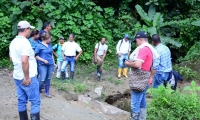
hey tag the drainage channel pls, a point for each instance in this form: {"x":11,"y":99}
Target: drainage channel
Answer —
{"x":121,"y":101}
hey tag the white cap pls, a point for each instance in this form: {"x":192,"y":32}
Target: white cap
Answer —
{"x":24,"y":24}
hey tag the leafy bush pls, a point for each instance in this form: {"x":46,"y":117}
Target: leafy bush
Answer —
{"x":186,"y":72}
{"x":174,"y":105}
{"x":193,"y":53}
{"x":87,"y":20}
{"x":6,"y":63}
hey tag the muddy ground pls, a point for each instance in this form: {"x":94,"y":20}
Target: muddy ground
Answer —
{"x":62,"y":105}
{"x":55,"y":108}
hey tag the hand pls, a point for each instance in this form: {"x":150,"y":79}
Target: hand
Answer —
{"x":75,"y":58}
{"x":64,"y":58}
{"x":119,"y":54}
{"x":150,"y":80}
{"x":45,"y":62}
{"x":26,"y":81}
{"x":127,"y":62}
{"x":55,"y":65}
{"x":95,"y":60}
{"x":56,"y":55}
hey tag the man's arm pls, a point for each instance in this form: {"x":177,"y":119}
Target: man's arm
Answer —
{"x":95,"y":54}
{"x":135,"y":64}
{"x":117,"y":48}
{"x":76,"y":58}
{"x":104,"y":55}
{"x":55,"y":54}
{"x":10,"y":59}
{"x":25,"y":68}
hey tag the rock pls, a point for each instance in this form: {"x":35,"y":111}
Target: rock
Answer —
{"x":98,"y":90}
{"x":94,"y":96}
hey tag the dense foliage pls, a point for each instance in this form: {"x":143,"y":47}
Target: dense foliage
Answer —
{"x":91,"y":20}
{"x":177,"y":105}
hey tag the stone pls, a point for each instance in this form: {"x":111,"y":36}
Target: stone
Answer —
{"x":98,"y":90}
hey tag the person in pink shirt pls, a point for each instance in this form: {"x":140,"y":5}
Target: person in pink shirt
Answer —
{"x":141,"y":58}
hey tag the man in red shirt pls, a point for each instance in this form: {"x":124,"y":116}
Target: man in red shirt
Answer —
{"x":142,"y":59}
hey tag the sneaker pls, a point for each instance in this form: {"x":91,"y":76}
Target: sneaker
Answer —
{"x":49,"y":96}
{"x":98,"y":74}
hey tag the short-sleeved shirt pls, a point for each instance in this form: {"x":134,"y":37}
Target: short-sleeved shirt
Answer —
{"x":146,"y":56}
{"x":44,"y":52}
{"x":101,"y":49}
{"x":123,"y":46}
{"x":163,"y":63}
{"x":59,"y":51}
{"x":33,"y":43}
{"x":20,"y":46}
{"x":70,"y":48}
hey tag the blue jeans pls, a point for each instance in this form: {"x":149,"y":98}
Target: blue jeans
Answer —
{"x":121,"y":61}
{"x":160,"y":78}
{"x":65,"y":63}
{"x":45,"y":72}
{"x":31,"y":93}
{"x":138,"y":100}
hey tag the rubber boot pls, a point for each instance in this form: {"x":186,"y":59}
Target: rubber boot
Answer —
{"x":135,"y":116}
{"x":143,"y":114}
{"x":47,"y":94}
{"x":125,"y":72}
{"x":72,"y":77}
{"x":35,"y":116}
{"x":63,"y":76}
{"x":119,"y":72}
{"x":41,"y":85}
{"x":23,"y":115}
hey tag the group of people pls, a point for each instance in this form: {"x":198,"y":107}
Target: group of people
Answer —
{"x":33,"y":60}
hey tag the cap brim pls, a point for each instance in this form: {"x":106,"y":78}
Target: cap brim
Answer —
{"x":32,"y":27}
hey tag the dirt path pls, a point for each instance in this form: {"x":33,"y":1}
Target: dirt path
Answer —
{"x":55,"y":108}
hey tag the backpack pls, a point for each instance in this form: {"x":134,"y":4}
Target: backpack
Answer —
{"x":56,"y":48}
{"x":122,"y":42}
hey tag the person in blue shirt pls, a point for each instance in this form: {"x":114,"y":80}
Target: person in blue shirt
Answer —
{"x":45,"y":29}
{"x":162,"y":66}
{"x":44,"y":55}
{"x":58,"y":53}
{"x":34,"y":38}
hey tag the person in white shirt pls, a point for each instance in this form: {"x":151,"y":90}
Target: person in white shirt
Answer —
{"x":25,"y":72}
{"x":123,"y":50}
{"x":99,"y":56}
{"x":69,"y":50}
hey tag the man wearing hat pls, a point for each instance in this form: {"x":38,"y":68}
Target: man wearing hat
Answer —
{"x":140,"y":62}
{"x":163,"y":65}
{"x":58,"y":53}
{"x":123,"y":50}
{"x":25,"y":72}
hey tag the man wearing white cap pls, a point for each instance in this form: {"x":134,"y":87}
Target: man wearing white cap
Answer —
{"x":25,"y":72}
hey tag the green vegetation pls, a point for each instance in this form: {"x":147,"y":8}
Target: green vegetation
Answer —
{"x":177,"y":105}
{"x":186,"y":72}
{"x":90,"y":20}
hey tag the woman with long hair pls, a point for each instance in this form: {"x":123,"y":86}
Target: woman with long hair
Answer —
{"x":44,"y":55}
{"x":34,"y":38}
